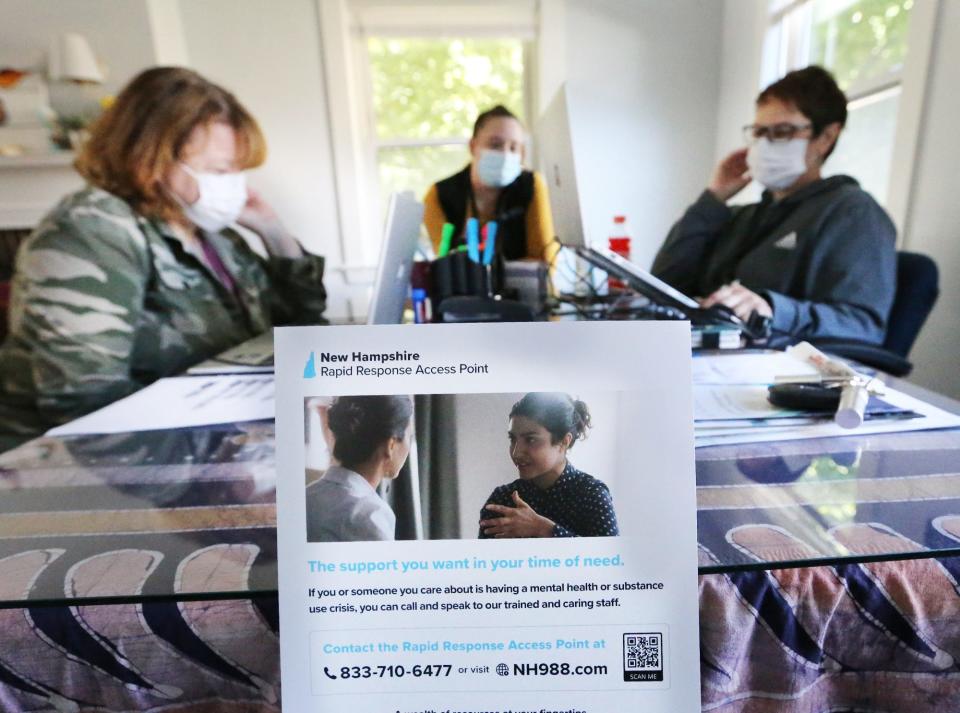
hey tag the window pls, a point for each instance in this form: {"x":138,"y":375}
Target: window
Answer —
{"x":426,"y":94}
{"x":405,"y":80}
{"x":865,"y":44}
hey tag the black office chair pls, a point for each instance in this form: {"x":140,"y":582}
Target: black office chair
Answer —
{"x":917,"y":291}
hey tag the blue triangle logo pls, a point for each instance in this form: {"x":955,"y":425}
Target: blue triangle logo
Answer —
{"x":310,"y":370}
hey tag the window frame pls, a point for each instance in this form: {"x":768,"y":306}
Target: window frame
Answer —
{"x":787,"y":46}
{"x":344,"y":28}
{"x":377,"y":144}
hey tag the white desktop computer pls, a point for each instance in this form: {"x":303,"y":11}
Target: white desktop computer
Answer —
{"x":401,"y":234}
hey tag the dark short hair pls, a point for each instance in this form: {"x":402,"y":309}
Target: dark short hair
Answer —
{"x":499,"y":111}
{"x":360,"y":424}
{"x":558,"y":413}
{"x":814,"y":93}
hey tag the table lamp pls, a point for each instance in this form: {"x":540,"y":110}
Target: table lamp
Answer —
{"x":72,"y":60}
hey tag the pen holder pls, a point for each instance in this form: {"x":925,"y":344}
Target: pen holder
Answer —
{"x":456,"y":275}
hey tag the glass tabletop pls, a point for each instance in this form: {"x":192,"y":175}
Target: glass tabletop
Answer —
{"x":184,"y":514}
{"x":190,"y":514}
{"x":827,"y":501}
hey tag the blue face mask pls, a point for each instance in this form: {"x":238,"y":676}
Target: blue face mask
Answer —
{"x":498,"y":168}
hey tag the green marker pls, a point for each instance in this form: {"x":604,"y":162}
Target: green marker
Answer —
{"x":445,"y":237}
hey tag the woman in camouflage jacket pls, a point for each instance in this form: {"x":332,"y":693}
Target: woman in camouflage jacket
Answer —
{"x":137,"y":276}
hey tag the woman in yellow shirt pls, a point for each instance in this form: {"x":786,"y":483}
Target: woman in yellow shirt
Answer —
{"x":494,"y":186}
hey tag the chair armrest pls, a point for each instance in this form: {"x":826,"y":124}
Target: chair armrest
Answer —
{"x":872,"y":355}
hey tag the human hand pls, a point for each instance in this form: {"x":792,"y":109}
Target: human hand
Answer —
{"x":742,"y":301}
{"x":261,"y":218}
{"x":257,"y":214}
{"x":519,"y":521}
{"x":729,"y":176}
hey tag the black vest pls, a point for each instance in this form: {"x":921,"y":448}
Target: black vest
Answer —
{"x":455,"y":193}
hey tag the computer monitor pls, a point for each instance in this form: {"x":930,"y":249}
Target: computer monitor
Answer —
{"x":401,"y":233}
{"x":558,"y":164}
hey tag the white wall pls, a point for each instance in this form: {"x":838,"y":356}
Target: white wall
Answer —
{"x":119,"y":34}
{"x":740,"y":66}
{"x":933,"y":226}
{"x":659,"y":63}
{"x":118,"y":31}
{"x":271,"y":60}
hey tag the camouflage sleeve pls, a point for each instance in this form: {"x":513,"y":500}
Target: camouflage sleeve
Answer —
{"x":297,"y":292}
{"x":80,"y":283}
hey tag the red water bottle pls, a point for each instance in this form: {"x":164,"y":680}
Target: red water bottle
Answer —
{"x":620,"y":244}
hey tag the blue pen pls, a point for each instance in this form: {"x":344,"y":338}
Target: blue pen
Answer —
{"x":491,"y":241}
{"x":473,"y":240}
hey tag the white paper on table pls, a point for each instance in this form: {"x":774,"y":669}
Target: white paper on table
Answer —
{"x":722,"y":403}
{"x":729,"y":369}
{"x":930,"y":418}
{"x":182,"y":402}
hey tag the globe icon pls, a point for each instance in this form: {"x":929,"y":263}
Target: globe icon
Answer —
{"x":503,"y":669}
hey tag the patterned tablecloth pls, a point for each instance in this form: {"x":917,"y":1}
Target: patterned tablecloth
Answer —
{"x":134,"y":525}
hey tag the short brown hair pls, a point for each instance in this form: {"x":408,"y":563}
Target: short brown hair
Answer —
{"x":814,"y":93}
{"x":136,"y":141}
{"x":498,"y":111}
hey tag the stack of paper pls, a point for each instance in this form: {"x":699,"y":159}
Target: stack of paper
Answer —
{"x":182,"y":402}
{"x":731,"y":406}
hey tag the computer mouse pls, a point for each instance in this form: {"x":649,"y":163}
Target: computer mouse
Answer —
{"x":723,"y":313}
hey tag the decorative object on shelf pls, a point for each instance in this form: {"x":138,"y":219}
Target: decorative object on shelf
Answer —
{"x":11,"y":150}
{"x":70,"y":131}
{"x":24,"y":96}
{"x":71,"y":61}
{"x":33,"y":124}
{"x":10,"y":77}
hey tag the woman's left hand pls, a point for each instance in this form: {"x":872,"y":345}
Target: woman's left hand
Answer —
{"x":519,"y":521}
{"x":257,"y":213}
{"x":261,"y":218}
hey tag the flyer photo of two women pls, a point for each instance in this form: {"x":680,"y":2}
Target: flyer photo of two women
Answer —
{"x":464,"y":466}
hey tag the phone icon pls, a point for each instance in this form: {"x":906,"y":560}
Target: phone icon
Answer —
{"x":328,"y":674}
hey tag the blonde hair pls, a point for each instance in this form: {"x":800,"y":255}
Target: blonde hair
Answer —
{"x":140,"y":137}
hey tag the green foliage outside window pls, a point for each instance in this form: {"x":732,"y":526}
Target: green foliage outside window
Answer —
{"x":427,"y":89}
{"x":860,"y":41}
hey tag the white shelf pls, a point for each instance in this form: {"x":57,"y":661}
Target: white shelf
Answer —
{"x":53,"y":159}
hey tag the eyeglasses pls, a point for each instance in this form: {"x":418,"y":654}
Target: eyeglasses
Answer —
{"x":775,"y":133}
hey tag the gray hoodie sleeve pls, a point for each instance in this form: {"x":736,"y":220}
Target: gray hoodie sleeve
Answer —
{"x":680,"y":260}
{"x":852,"y":279}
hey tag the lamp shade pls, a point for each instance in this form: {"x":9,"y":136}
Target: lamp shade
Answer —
{"x":72,"y":59}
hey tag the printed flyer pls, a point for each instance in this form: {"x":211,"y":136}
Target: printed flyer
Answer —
{"x":487,"y":518}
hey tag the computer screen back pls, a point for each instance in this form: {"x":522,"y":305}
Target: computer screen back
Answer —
{"x":554,"y":143}
{"x":400,"y":237}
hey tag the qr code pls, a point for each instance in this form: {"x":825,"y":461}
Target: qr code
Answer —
{"x":643,"y":657}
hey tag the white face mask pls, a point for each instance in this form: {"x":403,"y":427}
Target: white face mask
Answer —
{"x":777,"y":165}
{"x":498,"y":168}
{"x":221,"y":200}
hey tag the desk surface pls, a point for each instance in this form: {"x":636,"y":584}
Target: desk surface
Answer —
{"x":189,"y":514}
